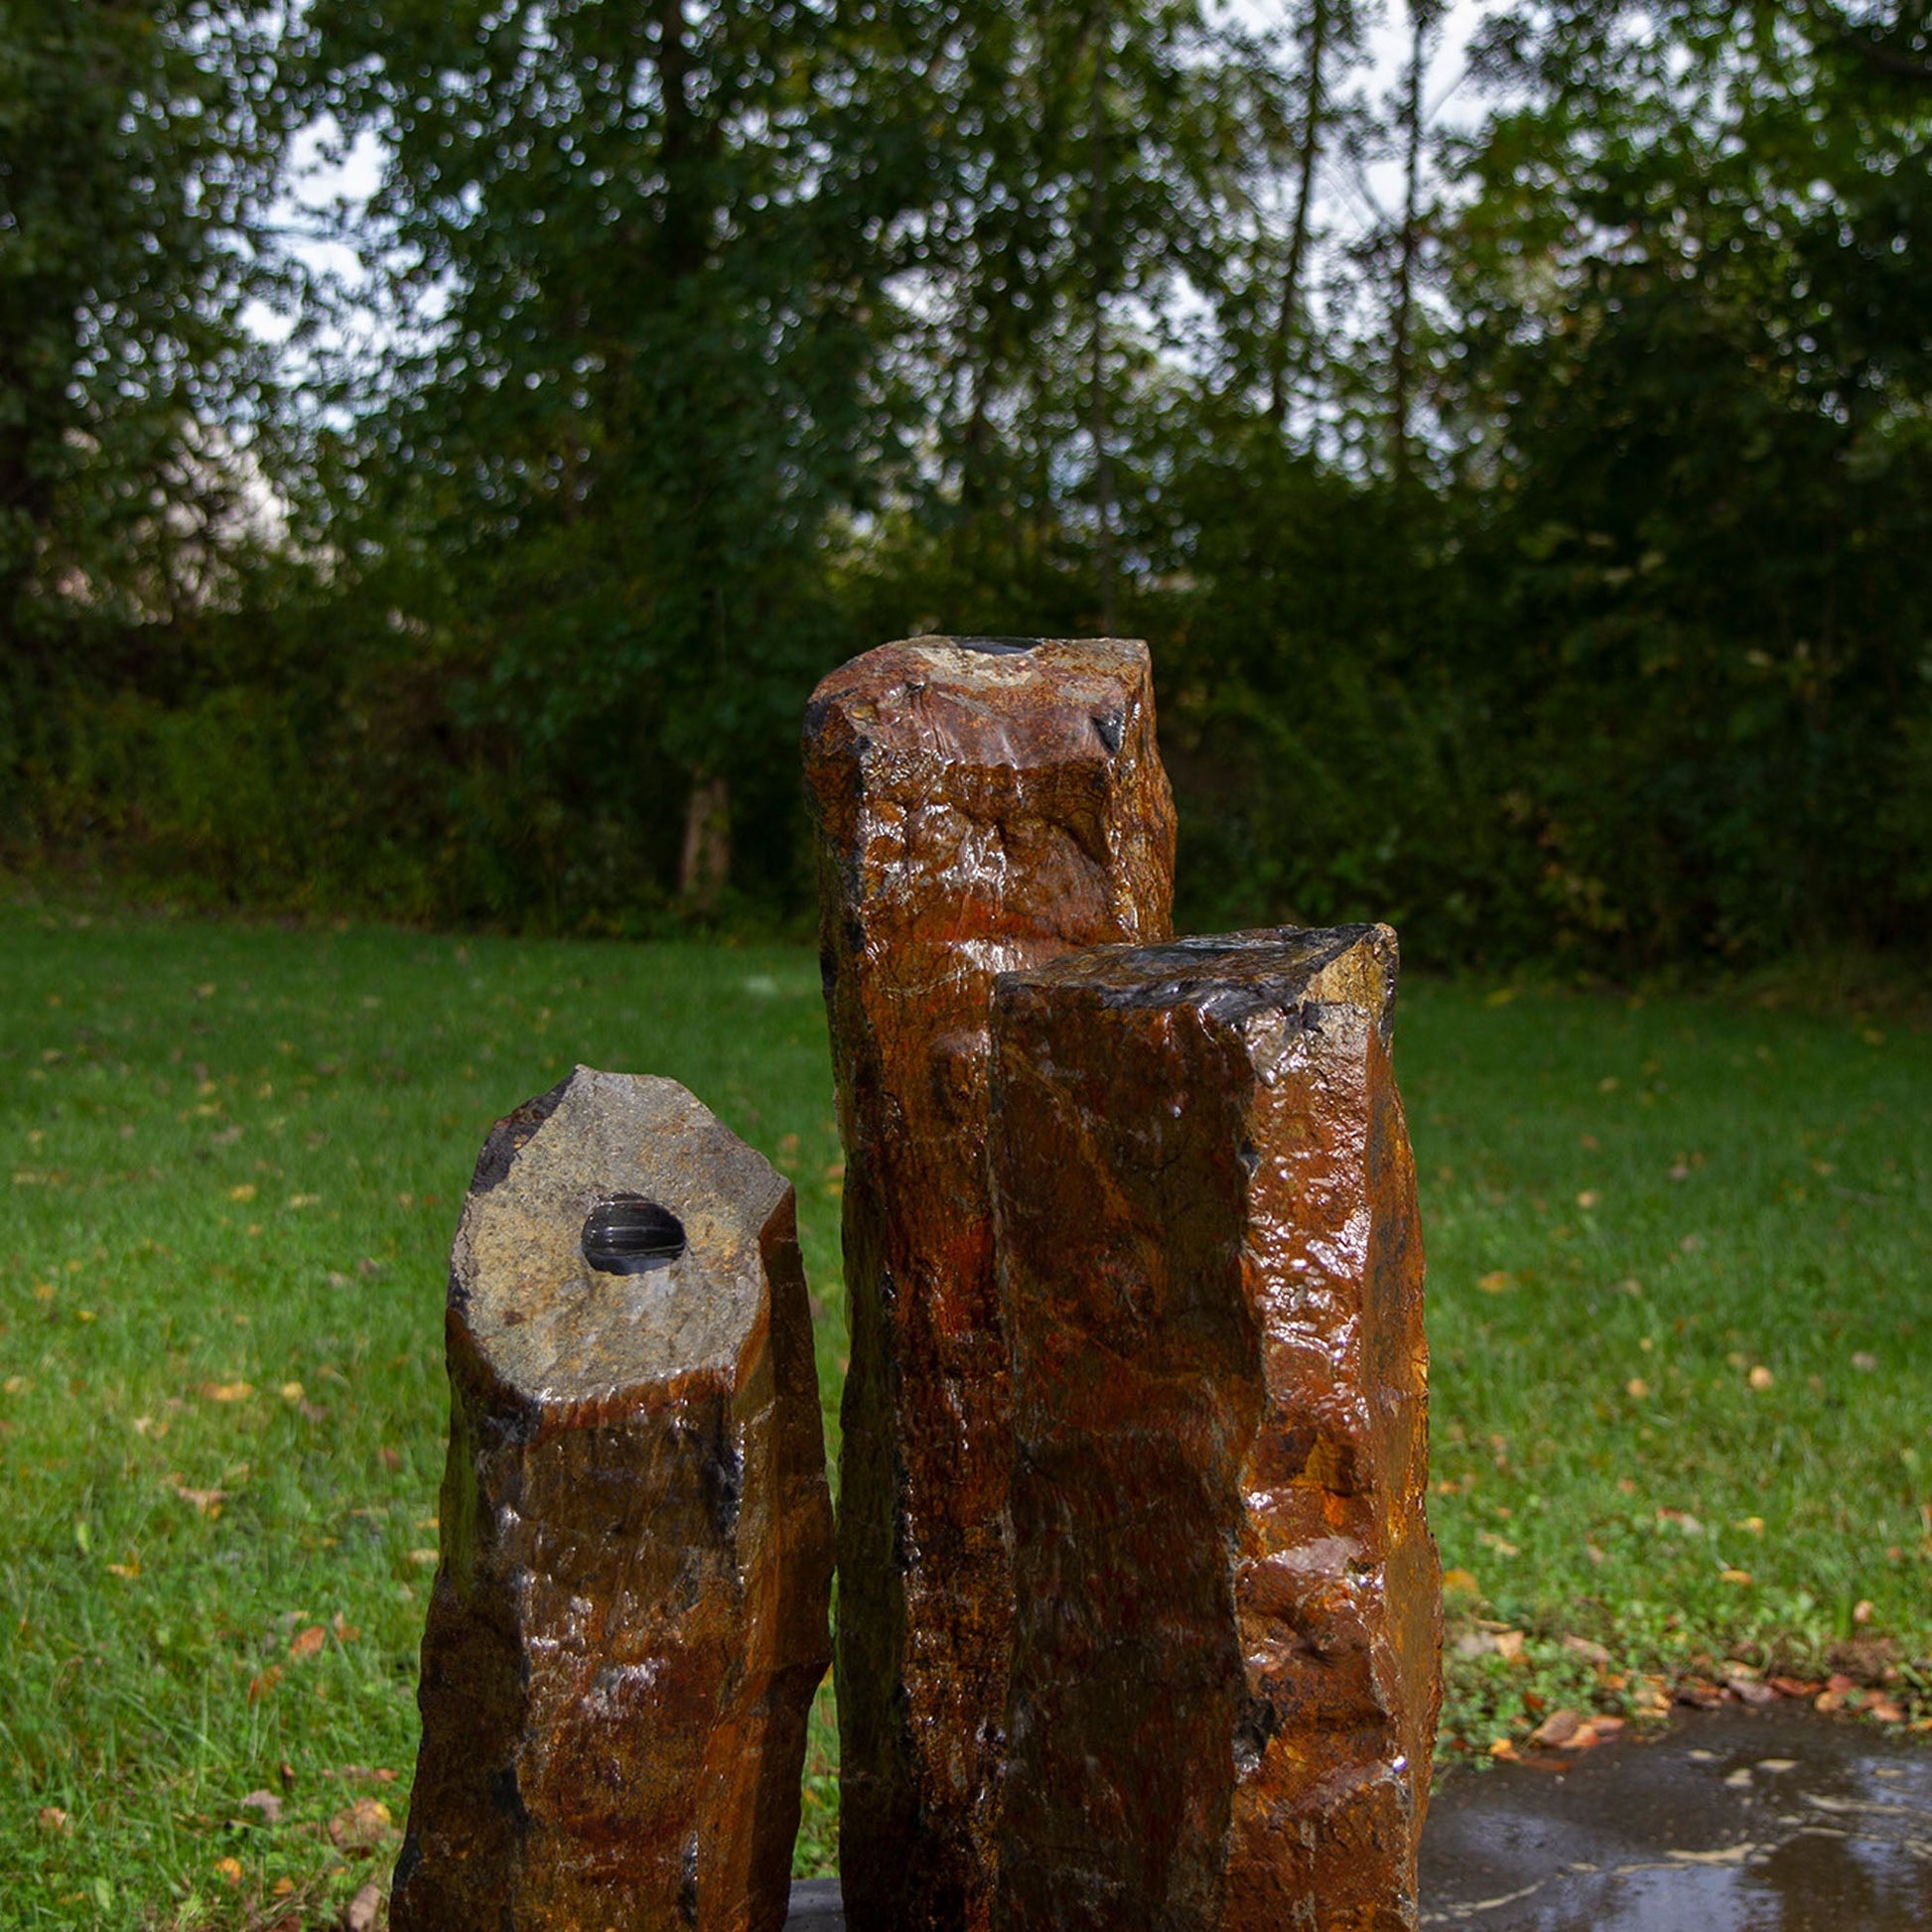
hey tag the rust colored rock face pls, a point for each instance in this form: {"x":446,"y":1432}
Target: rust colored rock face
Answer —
{"x":1224,"y":1679}
{"x":630,"y":1614}
{"x":982,"y":805}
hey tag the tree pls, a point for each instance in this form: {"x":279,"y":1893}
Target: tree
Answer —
{"x":1698,"y":369}
{"x":140,"y":151}
{"x":1088,"y":160}
{"x":654,"y":245}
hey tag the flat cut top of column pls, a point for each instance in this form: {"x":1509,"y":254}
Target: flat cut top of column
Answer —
{"x":569,"y":1287}
{"x":1230,"y":977}
{"x":962,"y":697}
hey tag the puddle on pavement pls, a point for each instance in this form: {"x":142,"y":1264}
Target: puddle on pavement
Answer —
{"x":1736,"y":1820}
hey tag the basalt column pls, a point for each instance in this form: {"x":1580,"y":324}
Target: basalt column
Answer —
{"x":982,"y":804}
{"x":1224,"y":1679}
{"x":630,"y":1614}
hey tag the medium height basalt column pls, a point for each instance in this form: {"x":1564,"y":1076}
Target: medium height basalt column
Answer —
{"x":1224,"y":1679}
{"x":630,"y":1614}
{"x":982,"y":804}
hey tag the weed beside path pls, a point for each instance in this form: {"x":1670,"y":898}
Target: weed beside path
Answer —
{"x":1681,"y":1387}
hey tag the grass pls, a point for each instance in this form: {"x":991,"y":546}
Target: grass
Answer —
{"x":230,"y":1159}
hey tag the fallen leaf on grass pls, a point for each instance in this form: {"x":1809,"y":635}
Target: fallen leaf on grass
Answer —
{"x":51,"y":1818}
{"x":1760,"y":1379}
{"x":1506,"y":1644}
{"x":423,"y":1559}
{"x":346,"y":1631}
{"x":259,"y":1686}
{"x":225,"y":1391}
{"x":1793,"y":1687}
{"x":1588,"y":1198}
{"x":206,"y":1501}
{"x":1498,"y":1280}
{"x":1637,"y":1388}
{"x":1459,"y":1579}
{"x":1651,"y":1697}
{"x":1502,"y":1545}
{"x":1750,"y":1690}
{"x":308,"y":1642}
{"x":230,"y":1870}
{"x":266,"y":1803}
{"x":359,"y":1913}
{"x":1503,"y":1748}
{"x":1864,"y":1361}
{"x":1741,"y":1578}
{"x":1586,"y":1648}
{"x":360,"y":1826}
{"x":1558,"y":1727}
{"x":245,"y":1191}
{"x":1862,"y":1610}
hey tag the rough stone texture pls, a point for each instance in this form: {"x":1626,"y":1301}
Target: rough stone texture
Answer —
{"x":630,"y":1614}
{"x":1224,"y":1679}
{"x":981,"y":805}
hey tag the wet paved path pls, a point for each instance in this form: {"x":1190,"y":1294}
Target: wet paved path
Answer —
{"x":1735,"y":1821}
{"x":1738,"y":1821}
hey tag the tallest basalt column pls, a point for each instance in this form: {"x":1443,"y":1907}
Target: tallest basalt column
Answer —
{"x":983,"y":805}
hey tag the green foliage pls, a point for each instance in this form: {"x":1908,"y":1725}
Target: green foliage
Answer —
{"x":638,"y":254}
{"x":1543,"y":563}
{"x":141,"y":146}
{"x":1699,"y":483}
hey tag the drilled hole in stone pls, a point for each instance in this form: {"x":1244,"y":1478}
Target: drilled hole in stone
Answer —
{"x":629,"y":1235}
{"x":998,"y":647}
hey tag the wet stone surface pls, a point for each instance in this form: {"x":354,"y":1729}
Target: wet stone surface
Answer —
{"x":981,"y":804}
{"x":629,"y":1617}
{"x":1736,"y":1820}
{"x":1224,"y":1680}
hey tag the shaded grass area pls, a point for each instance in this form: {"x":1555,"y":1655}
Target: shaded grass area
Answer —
{"x":1678,"y":1283}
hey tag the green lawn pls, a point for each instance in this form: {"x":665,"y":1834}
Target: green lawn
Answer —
{"x":232,"y":1158}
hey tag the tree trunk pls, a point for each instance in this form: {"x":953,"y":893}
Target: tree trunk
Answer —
{"x":704,"y":868}
{"x":1287,"y":328}
{"x":1401,"y":349}
{"x":1103,"y":461}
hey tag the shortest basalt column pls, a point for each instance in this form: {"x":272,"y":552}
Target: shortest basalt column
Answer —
{"x":1224,"y":1679}
{"x":630,"y":1614}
